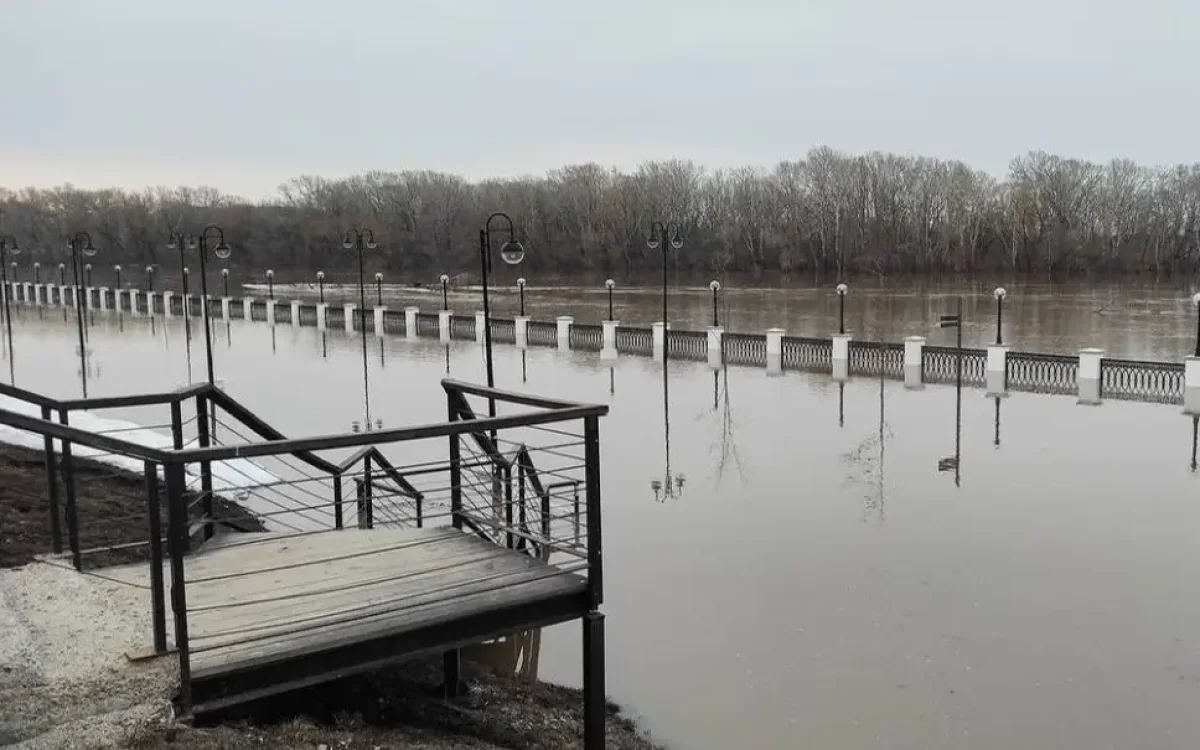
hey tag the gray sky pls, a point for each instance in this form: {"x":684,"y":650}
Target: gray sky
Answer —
{"x":242,"y":94}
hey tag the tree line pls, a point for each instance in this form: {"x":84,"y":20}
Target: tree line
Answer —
{"x":830,"y":212}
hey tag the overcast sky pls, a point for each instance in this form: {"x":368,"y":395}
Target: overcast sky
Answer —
{"x":242,"y":94}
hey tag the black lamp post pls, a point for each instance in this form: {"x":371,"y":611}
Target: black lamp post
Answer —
{"x":8,"y":242}
{"x":321,"y":285}
{"x":150,"y":280}
{"x":87,"y":269}
{"x":715,"y":286}
{"x":37,"y":273}
{"x":609,"y":284}
{"x":1196,"y":302}
{"x":841,"y":293}
{"x":664,"y":236}
{"x":512,"y":253}
{"x":62,"y":271}
{"x":358,"y":240}
{"x":224,"y":282}
{"x":117,"y":269}
{"x":445,"y":303}
{"x":222,"y":251}
{"x":999,"y":294}
{"x":521,"y":295}
{"x":16,"y":276}
{"x":270,"y":284}
{"x":81,"y":243}
{"x":379,"y":289}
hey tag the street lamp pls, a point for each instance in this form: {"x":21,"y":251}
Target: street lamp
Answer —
{"x":445,"y":280}
{"x":521,"y":294}
{"x":270,"y":284}
{"x":1196,"y":302}
{"x":841,"y":293}
{"x":8,"y":242}
{"x":512,"y":252}
{"x":715,"y":286}
{"x":659,"y":234}
{"x":379,"y":289}
{"x":37,"y":273}
{"x":609,"y":284}
{"x":1000,"y":294}
{"x":81,"y":243}
{"x":87,"y":269}
{"x":62,"y":270}
{"x":321,"y":285}
{"x":358,"y":239}
{"x":117,"y":268}
{"x":222,"y":251}
{"x":150,"y":280}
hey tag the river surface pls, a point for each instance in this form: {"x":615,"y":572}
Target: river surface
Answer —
{"x":817,"y":581}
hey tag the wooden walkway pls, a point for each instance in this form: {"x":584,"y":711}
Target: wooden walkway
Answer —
{"x":270,"y":612}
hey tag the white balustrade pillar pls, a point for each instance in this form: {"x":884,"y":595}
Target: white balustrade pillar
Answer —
{"x":271,"y":311}
{"x":775,"y":351}
{"x":480,"y":326}
{"x":247,"y":308}
{"x":716,"y":334}
{"x":380,"y":313}
{"x":410,"y":322}
{"x":37,"y":294}
{"x":226,"y":302}
{"x":349,"y":311}
{"x":658,"y":338}
{"x":167,"y":303}
{"x":322,"y":315}
{"x":133,"y":298}
{"x":62,"y":296}
{"x":914,"y":356}
{"x":295,"y":307}
{"x":997,"y":369}
{"x":104,"y":298}
{"x":1089,"y":376}
{"x":564,"y":331}
{"x":521,"y":331}
{"x":444,"y":319}
{"x":608,"y":348}
{"x":1191,"y":385}
{"x":841,"y":356}
{"x":149,"y":303}
{"x":28,"y":291}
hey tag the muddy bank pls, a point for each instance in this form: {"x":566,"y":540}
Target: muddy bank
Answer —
{"x":112,"y":510}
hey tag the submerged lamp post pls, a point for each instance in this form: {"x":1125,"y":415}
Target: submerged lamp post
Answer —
{"x":7,"y":243}
{"x":521,"y":294}
{"x":81,"y":243}
{"x":512,"y":252}
{"x":715,"y":286}
{"x":999,"y":294}
{"x":445,"y":280}
{"x":222,"y":251}
{"x":379,"y":289}
{"x":609,"y":284}
{"x":358,"y":239}
{"x":667,"y":237}
{"x":270,"y":284}
{"x":1196,"y":302}
{"x":841,"y":293}
{"x":225,"y":282}
{"x":321,"y":285}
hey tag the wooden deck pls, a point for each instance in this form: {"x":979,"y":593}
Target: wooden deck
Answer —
{"x":268,"y":613}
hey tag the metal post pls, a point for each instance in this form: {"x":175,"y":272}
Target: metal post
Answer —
{"x":337,"y":501}
{"x":158,"y":607}
{"x":177,"y":545}
{"x":203,"y":440}
{"x":1197,"y":333}
{"x":455,"y":471}
{"x":368,"y":500}
{"x":1000,"y":319}
{"x":177,"y":444}
{"x":521,"y":293}
{"x":610,"y":303}
{"x":714,"y":291}
{"x":591,"y":452}
{"x":72,"y":510}
{"x":52,"y":485}
{"x":484,"y":242}
{"x":593,"y":681}
{"x":79,"y":305}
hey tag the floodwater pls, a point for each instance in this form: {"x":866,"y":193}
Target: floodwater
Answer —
{"x":814,"y":579}
{"x":1130,"y":319}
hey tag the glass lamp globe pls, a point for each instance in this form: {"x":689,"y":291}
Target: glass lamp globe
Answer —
{"x":842,"y":289}
{"x":1196,"y":299}
{"x":372,"y":244}
{"x":223,"y":250}
{"x":320,"y":275}
{"x":609,"y":283}
{"x":346,"y":243}
{"x":445,"y":278}
{"x":379,"y":277}
{"x":715,"y":285}
{"x":677,"y":241}
{"x":653,"y":242}
{"x":521,"y":282}
{"x":1000,"y":293}
{"x":512,"y":252}
{"x":224,"y":271}
{"x":270,"y":274}
{"x":89,"y":249}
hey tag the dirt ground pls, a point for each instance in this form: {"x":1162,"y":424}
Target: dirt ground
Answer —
{"x":111,"y":507}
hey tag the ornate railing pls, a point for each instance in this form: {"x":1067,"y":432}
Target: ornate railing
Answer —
{"x":635,"y":340}
{"x":394,"y":322}
{"x":542,"y":334}
{"x":875,"y":357}
{"x":283,"y":313}
{"x":1145,"y":381}
{"x":687,"y":344}
{"x":462,"y":328}
{"x":587,"y":336}
{"x":258,"y":310}
{"x":800,"y":353}
{"x":940,"y":363}
{"x":744,"y":349}
{"x":427,"y":324}
{"x":335,"y":316}
{"x":504,"y":331}
{"x":1043,"y":373}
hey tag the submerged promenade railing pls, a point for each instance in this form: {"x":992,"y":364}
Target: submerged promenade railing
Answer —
{"x":999,"y":368}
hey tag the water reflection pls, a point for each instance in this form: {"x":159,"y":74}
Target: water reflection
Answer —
{"x":669,"y":487}
{"x":996,"y":436}
{"x":524,"y":373}
{"x":1195,"y":434}
{"x":273,"y":343}
{"x":727,"y":449}
{"x":867,"y":460}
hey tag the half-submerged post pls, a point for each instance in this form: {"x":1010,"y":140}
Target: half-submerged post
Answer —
{"x":608,"y":348}
{"x":775,"y":351}
{"x":480,"y":326}
{"x":716,"y":335}
{"x":914,"y":358}
{"x":521,"y":331}
{"x":410,"y":321}
{"x":445,"y":319}
{"x":1090,"y":363}
{"x":564,"y":331}
{"x":659,"y":338}
{"x":380,"y":313}
{"x":295,"y":312}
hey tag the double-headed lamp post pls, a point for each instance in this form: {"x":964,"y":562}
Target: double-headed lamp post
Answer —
{"x":667,"y":237}
{"x":842,"y":289}
{"x":81,"y":244}
{"x":512,"y":252}
{"x":359,"y":239}
{"x":715,"y":286}
{"x":609,"y":284}
{"x":222,"y":251}
{"x":1000,"y":293}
